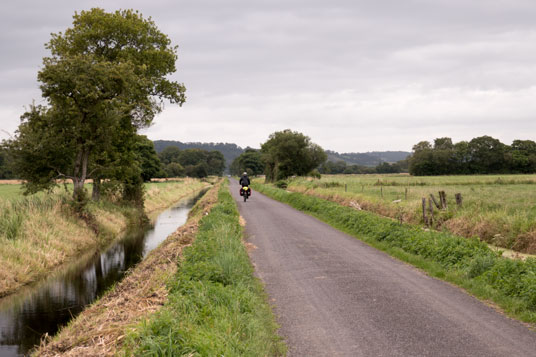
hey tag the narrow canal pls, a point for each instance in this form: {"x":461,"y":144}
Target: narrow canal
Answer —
{"x":25,"y":317}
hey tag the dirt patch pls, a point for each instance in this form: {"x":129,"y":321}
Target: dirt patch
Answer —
{"x":11,"y":182}
{"x":242,"y":221}
{"x":250,"y":246}
{"x":101,"y":328}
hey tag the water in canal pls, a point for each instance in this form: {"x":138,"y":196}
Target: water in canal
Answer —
{"x":43,"y":308}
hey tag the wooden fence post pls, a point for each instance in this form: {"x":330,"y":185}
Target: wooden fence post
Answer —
{"x":345,"y":187}
{"x":433,"y":199}
{"x":425,"y":220}
{"x":443,"y":200}
{"x":406,"y":194}
{"x":431,"y":210}
{"x":459,"y":199}
{"x":381,"y":190}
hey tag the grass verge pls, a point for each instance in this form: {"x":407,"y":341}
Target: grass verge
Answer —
{"x":498,"y":209}
{"x":469,"y":263}
{"x":215,"y":306}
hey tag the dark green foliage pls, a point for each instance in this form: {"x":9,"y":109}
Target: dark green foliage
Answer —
{"x":169,"y":154}
{"x":174,"y":169}
{"x":216,"y":307}
{"x":40,"y":152}
{"x":522,"y":156}
{"x":482,"y":155}
{"x":192,"y":162}
{"x":105,"y":78}
{"x":510,"y":278}
{"x":249,"y":161}
{"x":487,"y":155}
{"x":341,"y":167}
{"x":281,"y":184}
{"x":147,"y":158}
{"x":229,"y":151}
{"x":367,"y":159}
{"x":6,"y":163}
{"x":288,"y":153}
{"x":387,"y":168}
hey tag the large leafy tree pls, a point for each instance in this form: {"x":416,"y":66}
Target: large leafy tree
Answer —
{"x":487,"y":155}
{"x":421,"y":160}
{"x":169,"y":155}
{"x":523,"y":156}
{"x":104,"y":80}
{"x":249,"y":161}
{"x":288,"y":153}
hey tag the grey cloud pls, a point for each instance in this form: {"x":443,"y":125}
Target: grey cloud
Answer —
{"x":316,"y":64}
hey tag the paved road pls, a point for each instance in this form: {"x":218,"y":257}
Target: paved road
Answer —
{"x":335,"y":296}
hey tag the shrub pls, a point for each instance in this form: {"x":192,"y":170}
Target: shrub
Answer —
{"x":281,"y":184}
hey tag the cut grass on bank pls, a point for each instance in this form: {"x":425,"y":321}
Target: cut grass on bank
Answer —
{"x":466,"y":262}
{"x":215,"y":306}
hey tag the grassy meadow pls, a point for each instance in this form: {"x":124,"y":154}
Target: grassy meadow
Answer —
{"x":40,"y":232}
{"x":499,"y":209}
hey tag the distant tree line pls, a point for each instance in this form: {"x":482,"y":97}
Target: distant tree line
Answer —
{"x":481,"y":155}
{"x":190,"y":162}
{"x":368,"y":159}
{"x":229,"y":151}
{"x":341,"y":167}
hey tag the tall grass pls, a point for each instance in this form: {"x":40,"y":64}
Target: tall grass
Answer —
{"x":40,"y":232}
{"x":499,"y":209}
{"x":216,"y":307}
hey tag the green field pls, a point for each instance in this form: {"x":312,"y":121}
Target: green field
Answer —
{"x":499,"y":209}
{"x":9,"y":191}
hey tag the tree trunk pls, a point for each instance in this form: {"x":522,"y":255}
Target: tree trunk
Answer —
{"x":80,"y":172}
{"x":95,"y":194}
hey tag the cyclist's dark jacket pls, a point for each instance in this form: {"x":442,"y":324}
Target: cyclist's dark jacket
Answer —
{"x":244,"y":181}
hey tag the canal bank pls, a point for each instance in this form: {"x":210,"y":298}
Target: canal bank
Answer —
{"x":41,"y":308}
{"x":41,"y":234}
{"x":100,"y":329}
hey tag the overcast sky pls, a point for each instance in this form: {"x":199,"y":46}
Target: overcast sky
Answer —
{"x":353,"y":75}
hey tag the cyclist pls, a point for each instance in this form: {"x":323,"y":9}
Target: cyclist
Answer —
{"x":244,"y":180}
{"x":244,"y":183}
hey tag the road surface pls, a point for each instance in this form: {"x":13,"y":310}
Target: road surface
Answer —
{"x":336,"y":296}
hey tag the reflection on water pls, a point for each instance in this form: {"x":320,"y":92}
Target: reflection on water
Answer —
{"x":44,"y":308}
